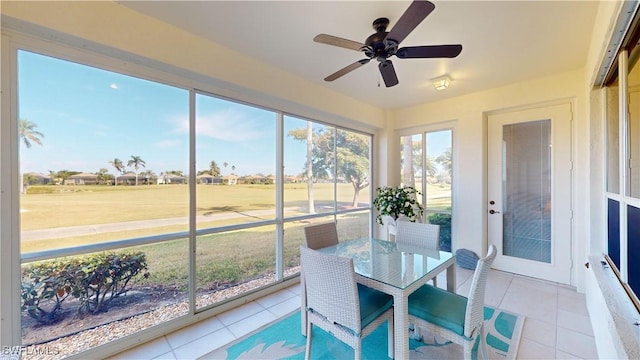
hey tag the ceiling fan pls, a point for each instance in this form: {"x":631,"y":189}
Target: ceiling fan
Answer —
{"x":382,"y":44}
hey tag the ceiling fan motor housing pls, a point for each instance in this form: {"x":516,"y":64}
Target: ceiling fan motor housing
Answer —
{"x":377,"y":45}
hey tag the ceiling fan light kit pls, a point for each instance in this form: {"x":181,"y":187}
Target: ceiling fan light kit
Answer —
{"x":381,"y":45}
{"x":441,"y":83}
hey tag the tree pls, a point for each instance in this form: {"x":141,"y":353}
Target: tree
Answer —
{"x":28,"y":135}
{"x":408,"y":164}
{"x":225,"y":164}
{"x":344,"y":153}
{"x":103,"y":176}
{"x":136,"y":162}
{"x":63,"y":175}
{"x":119,"y":166}
{"x":54,"y":177}
{"x":233,"y":168}
{"x":214,"y":169}
{"x":445,"y":160}
{"x":431,"y":167}
{"x":353,"y":161}
{"x":148,"y":175}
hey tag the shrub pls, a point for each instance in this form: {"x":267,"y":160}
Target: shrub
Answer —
{"x":93,"y":280}
{"x":444,"y":220}
{"x":100,"y":278}
{"x":44,"y":287}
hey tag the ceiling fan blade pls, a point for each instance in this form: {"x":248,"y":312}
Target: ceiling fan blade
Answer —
{"x":336,"y":41}
{"x":388,"y":73}
{"x":415,"y":13}
{"x":431,"y":51}
{"x":347,"y":69}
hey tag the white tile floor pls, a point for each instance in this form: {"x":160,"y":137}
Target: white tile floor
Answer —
{"x":557,"y":324}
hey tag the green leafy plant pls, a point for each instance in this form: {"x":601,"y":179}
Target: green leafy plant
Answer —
{"x":93,"y":280}
{"x":444,"y":220}
{"x":100,"y":278}
{"x":44,"y":287}
{"x":397,"y":201}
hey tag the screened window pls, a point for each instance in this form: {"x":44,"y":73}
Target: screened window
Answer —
{"x":623,"y":168}
{"x":426,"y":164}
{"x":125,"y":178}
{"x":103,"y":159}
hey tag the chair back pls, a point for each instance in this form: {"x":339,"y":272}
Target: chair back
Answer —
{"x":331,"y":287}
{"x":321,"y":235}
{"x":474,"y":316}
{"x":418,"y":234}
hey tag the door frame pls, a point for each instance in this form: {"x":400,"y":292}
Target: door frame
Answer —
{"x":569,"y":278}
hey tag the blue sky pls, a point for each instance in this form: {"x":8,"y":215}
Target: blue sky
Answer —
{"x":91,"y":116}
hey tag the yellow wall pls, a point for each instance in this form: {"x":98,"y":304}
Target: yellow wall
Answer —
{"x":469,"y":113}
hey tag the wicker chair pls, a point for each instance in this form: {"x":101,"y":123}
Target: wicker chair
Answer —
{"x":453,"y":316}
{"x":320,"y":235}
{"x":339,"y":305}
{"x":315,"y":237}
{"x":421,"y":235}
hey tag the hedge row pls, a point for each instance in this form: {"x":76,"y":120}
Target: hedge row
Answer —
{"x":93,"y":280}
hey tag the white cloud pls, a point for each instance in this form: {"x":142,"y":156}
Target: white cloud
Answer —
{"x":114,"y":86}
{"x":169,"y":143}
{"x":227,"y":125}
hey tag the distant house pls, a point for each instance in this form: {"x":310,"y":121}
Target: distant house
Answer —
{"x":216,"y":180}
{"x":205,"y":179}
{"x":172,"y":179}
{"x":33,"y":178}
{"x":230,"y":180}
{"x":82,"y":179}
{"x":248,"y":179}
{"x":291,"y":179}
{"x":126,"y":179}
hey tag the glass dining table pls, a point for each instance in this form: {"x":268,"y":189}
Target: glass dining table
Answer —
{"x":397,"y":270}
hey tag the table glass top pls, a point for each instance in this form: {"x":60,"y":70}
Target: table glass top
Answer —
{"x":393,"y":264}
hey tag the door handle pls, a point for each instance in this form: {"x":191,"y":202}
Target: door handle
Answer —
{"x":494,"y":212}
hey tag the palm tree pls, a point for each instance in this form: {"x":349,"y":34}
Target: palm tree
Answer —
{"x":215,"y":170}
{"x":28,"y":135}
{"x":136,"y":162}
{"x":119,"y":166}
{"x":233,"y":168}
{"x":225,"y":164}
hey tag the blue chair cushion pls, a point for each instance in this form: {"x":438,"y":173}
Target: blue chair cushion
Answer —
{"x":439,"y":307}
{"x":373,"y":303}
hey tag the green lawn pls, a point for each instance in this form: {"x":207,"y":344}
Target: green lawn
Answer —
{"x":45,"y":207}
{"x":220,"y":258}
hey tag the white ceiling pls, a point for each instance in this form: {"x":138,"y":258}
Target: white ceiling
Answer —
{"x":503,"y":41}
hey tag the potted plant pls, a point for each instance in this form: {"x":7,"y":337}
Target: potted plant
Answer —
{"x":394,"y":202}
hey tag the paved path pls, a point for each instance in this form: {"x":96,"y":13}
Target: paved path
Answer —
{"x":61,"y":232}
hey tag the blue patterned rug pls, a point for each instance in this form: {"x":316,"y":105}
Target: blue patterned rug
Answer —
{"x":282,"y":340}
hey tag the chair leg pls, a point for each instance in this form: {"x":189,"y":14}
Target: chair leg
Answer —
{"x":390,"y":338}
{"x":468,"y":350}
{"x":483,"y":343}
{"x":303,"y":306}
{"x":307,"y":352}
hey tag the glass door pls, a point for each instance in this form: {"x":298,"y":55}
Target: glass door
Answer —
{"x":529,"y":191}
